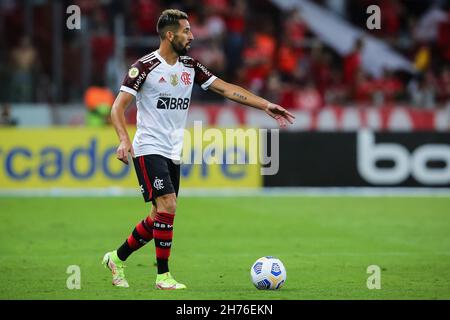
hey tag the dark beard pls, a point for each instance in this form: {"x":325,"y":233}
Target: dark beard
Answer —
{"x":181,"y":51}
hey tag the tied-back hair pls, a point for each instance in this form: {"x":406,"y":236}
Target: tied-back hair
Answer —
{"x":169,"y":20}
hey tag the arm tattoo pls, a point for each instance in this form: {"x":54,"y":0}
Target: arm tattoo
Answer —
{"x":240,"y":96}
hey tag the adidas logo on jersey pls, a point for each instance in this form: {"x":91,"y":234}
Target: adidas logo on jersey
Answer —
{"x":162,"y":80}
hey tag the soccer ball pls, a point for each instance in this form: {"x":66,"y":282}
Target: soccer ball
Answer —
{"x":268,"y":273}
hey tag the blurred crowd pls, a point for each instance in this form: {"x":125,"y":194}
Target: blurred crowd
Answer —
{"x":251,"y":43}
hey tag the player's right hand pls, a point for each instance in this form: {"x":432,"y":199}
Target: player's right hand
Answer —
{"x":280,"y":114}
{"x":122,"y":151}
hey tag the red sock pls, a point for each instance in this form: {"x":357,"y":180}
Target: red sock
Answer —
{"x":142,"y":234}
{"x":163,"y":233}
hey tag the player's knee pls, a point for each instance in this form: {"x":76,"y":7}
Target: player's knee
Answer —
{"x":152,"y":213}
{"x":171,"y":206}
{"x":167,"y":203}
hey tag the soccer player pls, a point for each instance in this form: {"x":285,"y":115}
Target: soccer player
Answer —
{"x":162,"y":83}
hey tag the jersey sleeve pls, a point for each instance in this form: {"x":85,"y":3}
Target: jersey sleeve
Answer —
{"x":135,"y":78}
{"x":203,"y":76}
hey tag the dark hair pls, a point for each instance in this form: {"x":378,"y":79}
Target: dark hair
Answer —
{"x":169,"y":19}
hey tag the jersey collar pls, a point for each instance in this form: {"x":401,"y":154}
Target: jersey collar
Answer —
{"x":164,"y":61}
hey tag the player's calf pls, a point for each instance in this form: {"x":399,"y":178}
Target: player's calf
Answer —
{"x":163,"y":234}
{"x":140,"y":236}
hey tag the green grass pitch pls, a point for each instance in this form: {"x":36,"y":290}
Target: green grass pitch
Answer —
{"x":326,"y":244}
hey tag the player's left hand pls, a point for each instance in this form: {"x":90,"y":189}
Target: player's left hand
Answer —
{"x":280,"y":114}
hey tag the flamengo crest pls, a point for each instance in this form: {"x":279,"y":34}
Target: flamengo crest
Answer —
{"x":186,"y":78}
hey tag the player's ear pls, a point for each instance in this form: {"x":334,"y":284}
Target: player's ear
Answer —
{"x":169,"y":35}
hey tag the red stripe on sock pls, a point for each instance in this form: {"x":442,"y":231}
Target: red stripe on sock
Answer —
{"x":164,"y":217}
{"x":133,"y":243}
{"x":143,"y":232}
{"x":162,"y":253}
{"x":166,"y":221}
{"x":163,"y":234}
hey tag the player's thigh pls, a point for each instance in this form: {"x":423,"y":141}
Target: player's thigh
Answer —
{"x":168,"y":202}
{"x":174,"y":171}
{"x":154,"y":176}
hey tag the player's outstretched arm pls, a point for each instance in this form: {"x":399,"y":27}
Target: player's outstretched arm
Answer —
{"x":122,"y":101}
{"x":240,"y":95}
